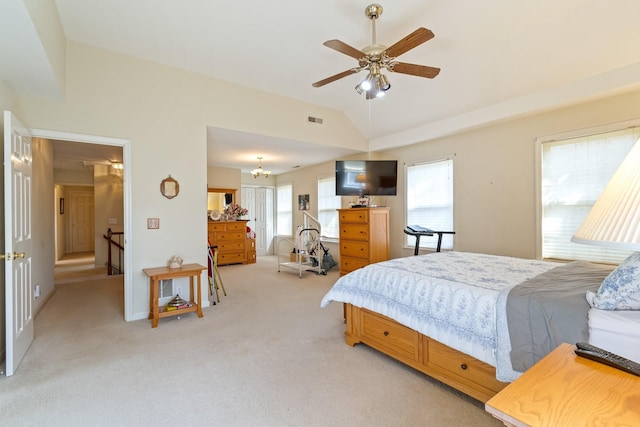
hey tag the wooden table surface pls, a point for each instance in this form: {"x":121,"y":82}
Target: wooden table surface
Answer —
{"x":156,"y":274}
{"x":564,"y":389}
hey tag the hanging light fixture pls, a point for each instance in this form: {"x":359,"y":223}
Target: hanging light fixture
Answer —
{"x":259,"y":171}
{"x":375,"y":84}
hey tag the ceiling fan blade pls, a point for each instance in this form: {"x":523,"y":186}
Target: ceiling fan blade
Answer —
{"x":342,"y":47}
{"x":415,"y":70}
{"x":335,"y":77}
{"x":414,"y":39}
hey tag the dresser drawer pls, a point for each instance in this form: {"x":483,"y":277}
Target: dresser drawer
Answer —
{"x":354,"y":232}
{"x":237,"y":226}
{"x":230,"y":257}
{"x":217,"y":226}
{"x":231,"y":247}
{"x":441,"y":357}
{"x":390,"y":335}
{"x":348,"y":264}
{"x":354,"y":249}
{"x":355,"y":216}
{"x":227,"y":236}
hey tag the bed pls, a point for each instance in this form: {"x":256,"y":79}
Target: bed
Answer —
{"x":616,"y":331}
{"x":446,"y":314}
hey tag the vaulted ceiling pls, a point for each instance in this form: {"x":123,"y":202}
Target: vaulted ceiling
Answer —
{"x":499,"y":58}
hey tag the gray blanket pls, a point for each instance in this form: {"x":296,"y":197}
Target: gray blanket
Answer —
{"x":550,"y":309}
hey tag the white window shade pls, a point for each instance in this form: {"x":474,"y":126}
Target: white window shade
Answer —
{"x":574,"y":174}
{"x":614,"y":220}
{"x":328,"y":203}
{"x":430,"y":201}
{"x":284,"y":206}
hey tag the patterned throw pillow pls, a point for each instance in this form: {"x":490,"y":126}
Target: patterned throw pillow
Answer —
{"x":620,"y":290}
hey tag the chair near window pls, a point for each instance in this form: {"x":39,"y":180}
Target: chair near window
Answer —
{"x":215,"y":281}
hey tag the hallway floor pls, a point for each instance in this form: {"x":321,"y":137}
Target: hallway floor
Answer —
{"x":78,"y":266}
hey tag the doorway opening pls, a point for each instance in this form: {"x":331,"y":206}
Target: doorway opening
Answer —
{"x":92,"y":188}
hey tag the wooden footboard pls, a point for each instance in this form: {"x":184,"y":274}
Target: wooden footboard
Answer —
{"x":458,"y":370}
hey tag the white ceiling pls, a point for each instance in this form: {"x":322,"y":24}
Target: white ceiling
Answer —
{"x":499,"y":59}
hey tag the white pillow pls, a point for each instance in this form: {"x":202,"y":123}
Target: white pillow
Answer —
{"x":620,"y":290}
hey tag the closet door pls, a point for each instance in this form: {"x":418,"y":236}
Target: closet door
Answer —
{"x":260,"y":202}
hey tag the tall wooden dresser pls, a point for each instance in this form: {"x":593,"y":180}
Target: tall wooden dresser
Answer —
{"x":231,"y":239}
{"x":364,"y":237}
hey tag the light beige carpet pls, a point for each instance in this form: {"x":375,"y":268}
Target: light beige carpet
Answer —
{"x":267,"y":355}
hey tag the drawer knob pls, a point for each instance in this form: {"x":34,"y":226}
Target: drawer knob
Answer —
{"x":385,"y":333}
{"x":463,"y":366}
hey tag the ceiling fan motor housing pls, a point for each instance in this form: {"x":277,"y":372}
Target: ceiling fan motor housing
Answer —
{"x":373,"y":11}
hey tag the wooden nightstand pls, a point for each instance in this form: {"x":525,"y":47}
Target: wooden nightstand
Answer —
{"x":567,"y":390}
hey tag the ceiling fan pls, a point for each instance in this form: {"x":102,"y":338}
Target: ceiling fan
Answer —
{"x":376,"y":57}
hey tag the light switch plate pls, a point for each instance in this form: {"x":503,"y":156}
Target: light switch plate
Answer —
{"x":153,"y":223}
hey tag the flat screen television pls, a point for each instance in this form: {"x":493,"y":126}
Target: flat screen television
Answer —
{"x":366,"y":177}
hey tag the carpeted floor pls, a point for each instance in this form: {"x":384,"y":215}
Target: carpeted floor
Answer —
{"x":267,"y":355}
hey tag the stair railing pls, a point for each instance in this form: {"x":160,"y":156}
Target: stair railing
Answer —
{"x":116,"y":240}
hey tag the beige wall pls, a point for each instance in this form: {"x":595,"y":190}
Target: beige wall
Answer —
{"x":164,"y":112}
{"x":109,"y":198}
{"x":43,"y":221}
{"x":494,"y":177}
{"x":60,"y":225}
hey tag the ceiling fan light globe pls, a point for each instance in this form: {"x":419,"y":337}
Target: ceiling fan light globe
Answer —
{"x":365,"y":84}
{"x":384,"y":82}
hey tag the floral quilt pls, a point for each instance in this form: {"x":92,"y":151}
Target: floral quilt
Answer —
{"x":448,"y":296}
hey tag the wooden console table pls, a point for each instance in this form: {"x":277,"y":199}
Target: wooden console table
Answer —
{"x":163,"y":273}
{"x":567,"y":390}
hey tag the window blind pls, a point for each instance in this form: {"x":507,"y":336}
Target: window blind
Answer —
{"x":328,"y":203}
{"x":284,"y":209}
{"x":574,"y":173}
{"x":430,"y":201}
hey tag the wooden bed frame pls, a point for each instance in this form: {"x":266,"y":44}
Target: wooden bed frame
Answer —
{"x":458,"y":370}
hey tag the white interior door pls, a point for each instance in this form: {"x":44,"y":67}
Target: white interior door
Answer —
{"x":82,"y":221}
{"x":248,"y":201}
{"x":17,"y":229}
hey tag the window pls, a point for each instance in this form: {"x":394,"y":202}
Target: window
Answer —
{"x":284,"y":203}
{"x":430,"y":201}
{"x":574,"y":171}
{"x":328,"y":203}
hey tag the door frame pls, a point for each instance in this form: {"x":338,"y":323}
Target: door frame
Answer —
{"x":125,"y":144}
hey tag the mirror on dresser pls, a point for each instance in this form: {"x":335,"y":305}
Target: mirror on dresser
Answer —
{"x":218,"y":198}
